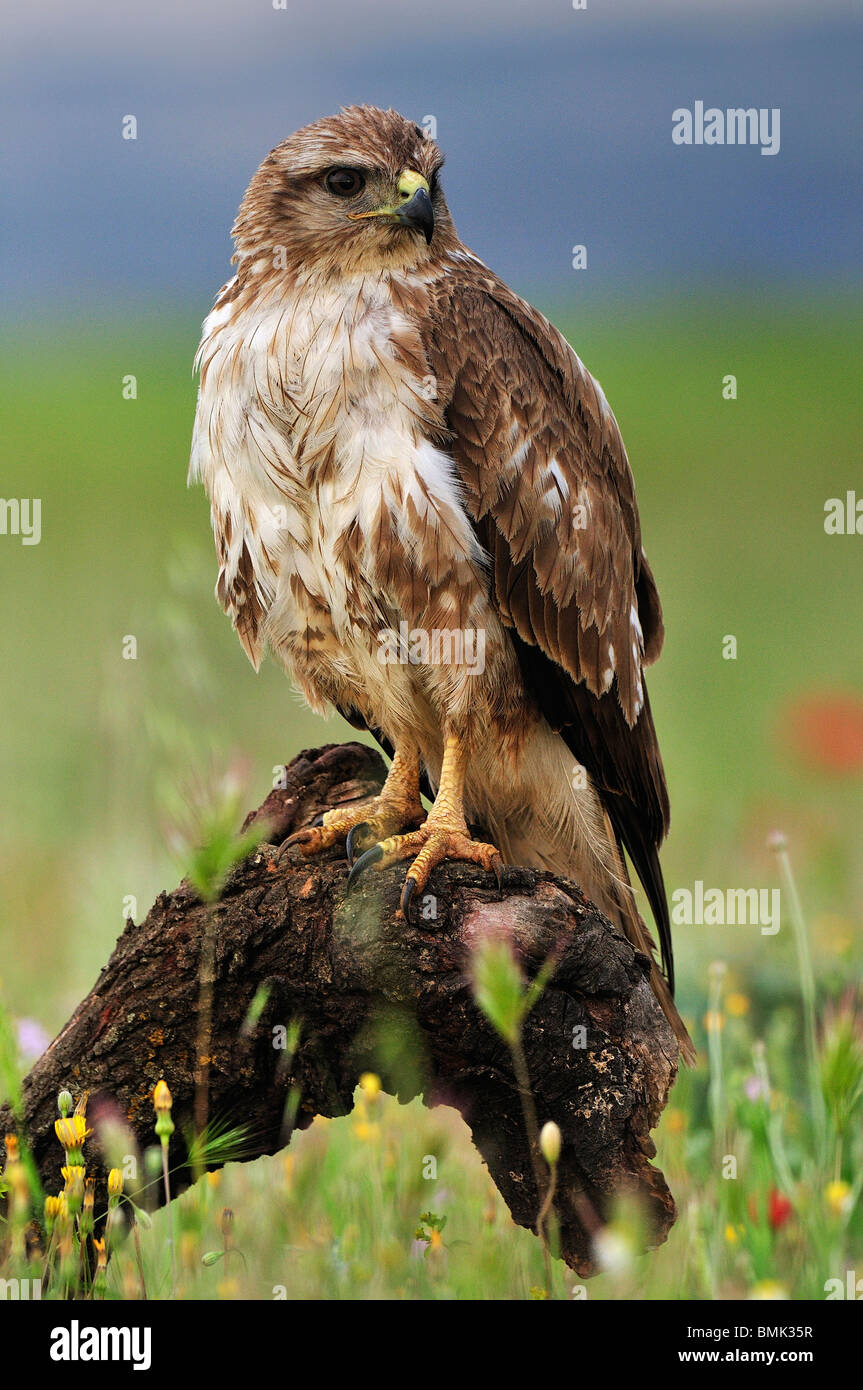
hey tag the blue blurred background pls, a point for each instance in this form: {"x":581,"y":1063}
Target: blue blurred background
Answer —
{"x":556,"y":124}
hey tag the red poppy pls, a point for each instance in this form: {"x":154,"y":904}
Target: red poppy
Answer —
{"x":778,"y":1209}
{"x":826,"y":731}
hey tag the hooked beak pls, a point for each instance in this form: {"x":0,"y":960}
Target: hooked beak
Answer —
{"x":413,"y":209}
{"x":418,"y":212}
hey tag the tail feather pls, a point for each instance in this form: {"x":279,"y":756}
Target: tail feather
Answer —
{"x":572,"y":834}
{"x":634,"y":928}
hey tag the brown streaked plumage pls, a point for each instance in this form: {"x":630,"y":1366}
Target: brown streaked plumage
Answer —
{"x":389,"y":435}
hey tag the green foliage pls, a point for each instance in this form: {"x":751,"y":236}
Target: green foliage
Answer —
{"x":220,"y":851}
{"x":499,"y":987}
{"x":842,"y":1065}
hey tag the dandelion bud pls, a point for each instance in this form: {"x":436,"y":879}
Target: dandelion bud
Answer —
{"x":162,"y":1099}
{"x":115,"y":1182}
{"x":52,"y":1211}
{"x":549,"y":1142}
{"x":162,"y":1103}
{"x":65,"y":1102}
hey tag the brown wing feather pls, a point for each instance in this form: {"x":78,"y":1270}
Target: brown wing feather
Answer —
{"x":518,"y":401}
{"x":539,"y":451}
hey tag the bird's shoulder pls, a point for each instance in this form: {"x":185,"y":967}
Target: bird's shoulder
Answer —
{"x":481,"y":330}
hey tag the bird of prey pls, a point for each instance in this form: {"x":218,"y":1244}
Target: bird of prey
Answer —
{"x":423,"y":507}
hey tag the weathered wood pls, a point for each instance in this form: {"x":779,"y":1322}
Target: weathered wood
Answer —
{"x":349,"y":970}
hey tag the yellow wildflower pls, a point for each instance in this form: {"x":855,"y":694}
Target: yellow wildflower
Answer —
{"x":838,"y":1197}
{"x":368,"y":1133}
{"x":370,"y":1085}
{"x":769,"y":1289}
{"x":71,"y":1131}
{"x":737,"y":1005}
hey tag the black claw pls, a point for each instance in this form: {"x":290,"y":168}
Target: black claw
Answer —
{"x":355,"y":830}
{"x":295,"y":839}
{"x":364,"y":862}
{"x":497,"y":869}
{"x":408,"y":894}
{"x":318,"y":821}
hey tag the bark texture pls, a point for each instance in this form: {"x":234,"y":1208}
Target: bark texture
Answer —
{"x":371,"y":991}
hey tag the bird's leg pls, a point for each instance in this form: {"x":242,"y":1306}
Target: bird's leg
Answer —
{"x":397,"y":807}
{"x":443,"y":836}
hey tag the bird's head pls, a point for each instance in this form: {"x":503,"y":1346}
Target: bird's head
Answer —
{"x":352,"y":193}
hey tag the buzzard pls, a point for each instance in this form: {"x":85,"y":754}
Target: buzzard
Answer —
{"x":423,"y":507}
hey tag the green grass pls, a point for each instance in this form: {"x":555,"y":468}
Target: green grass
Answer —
{"x":731,"y":496}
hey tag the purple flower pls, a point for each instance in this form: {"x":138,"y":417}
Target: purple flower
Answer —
{"x":32,"y":1039}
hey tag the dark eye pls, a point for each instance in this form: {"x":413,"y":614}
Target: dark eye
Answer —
{"x":345,"y":182}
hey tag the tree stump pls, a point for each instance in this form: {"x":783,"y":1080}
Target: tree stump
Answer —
{"x":600,"y":1054}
